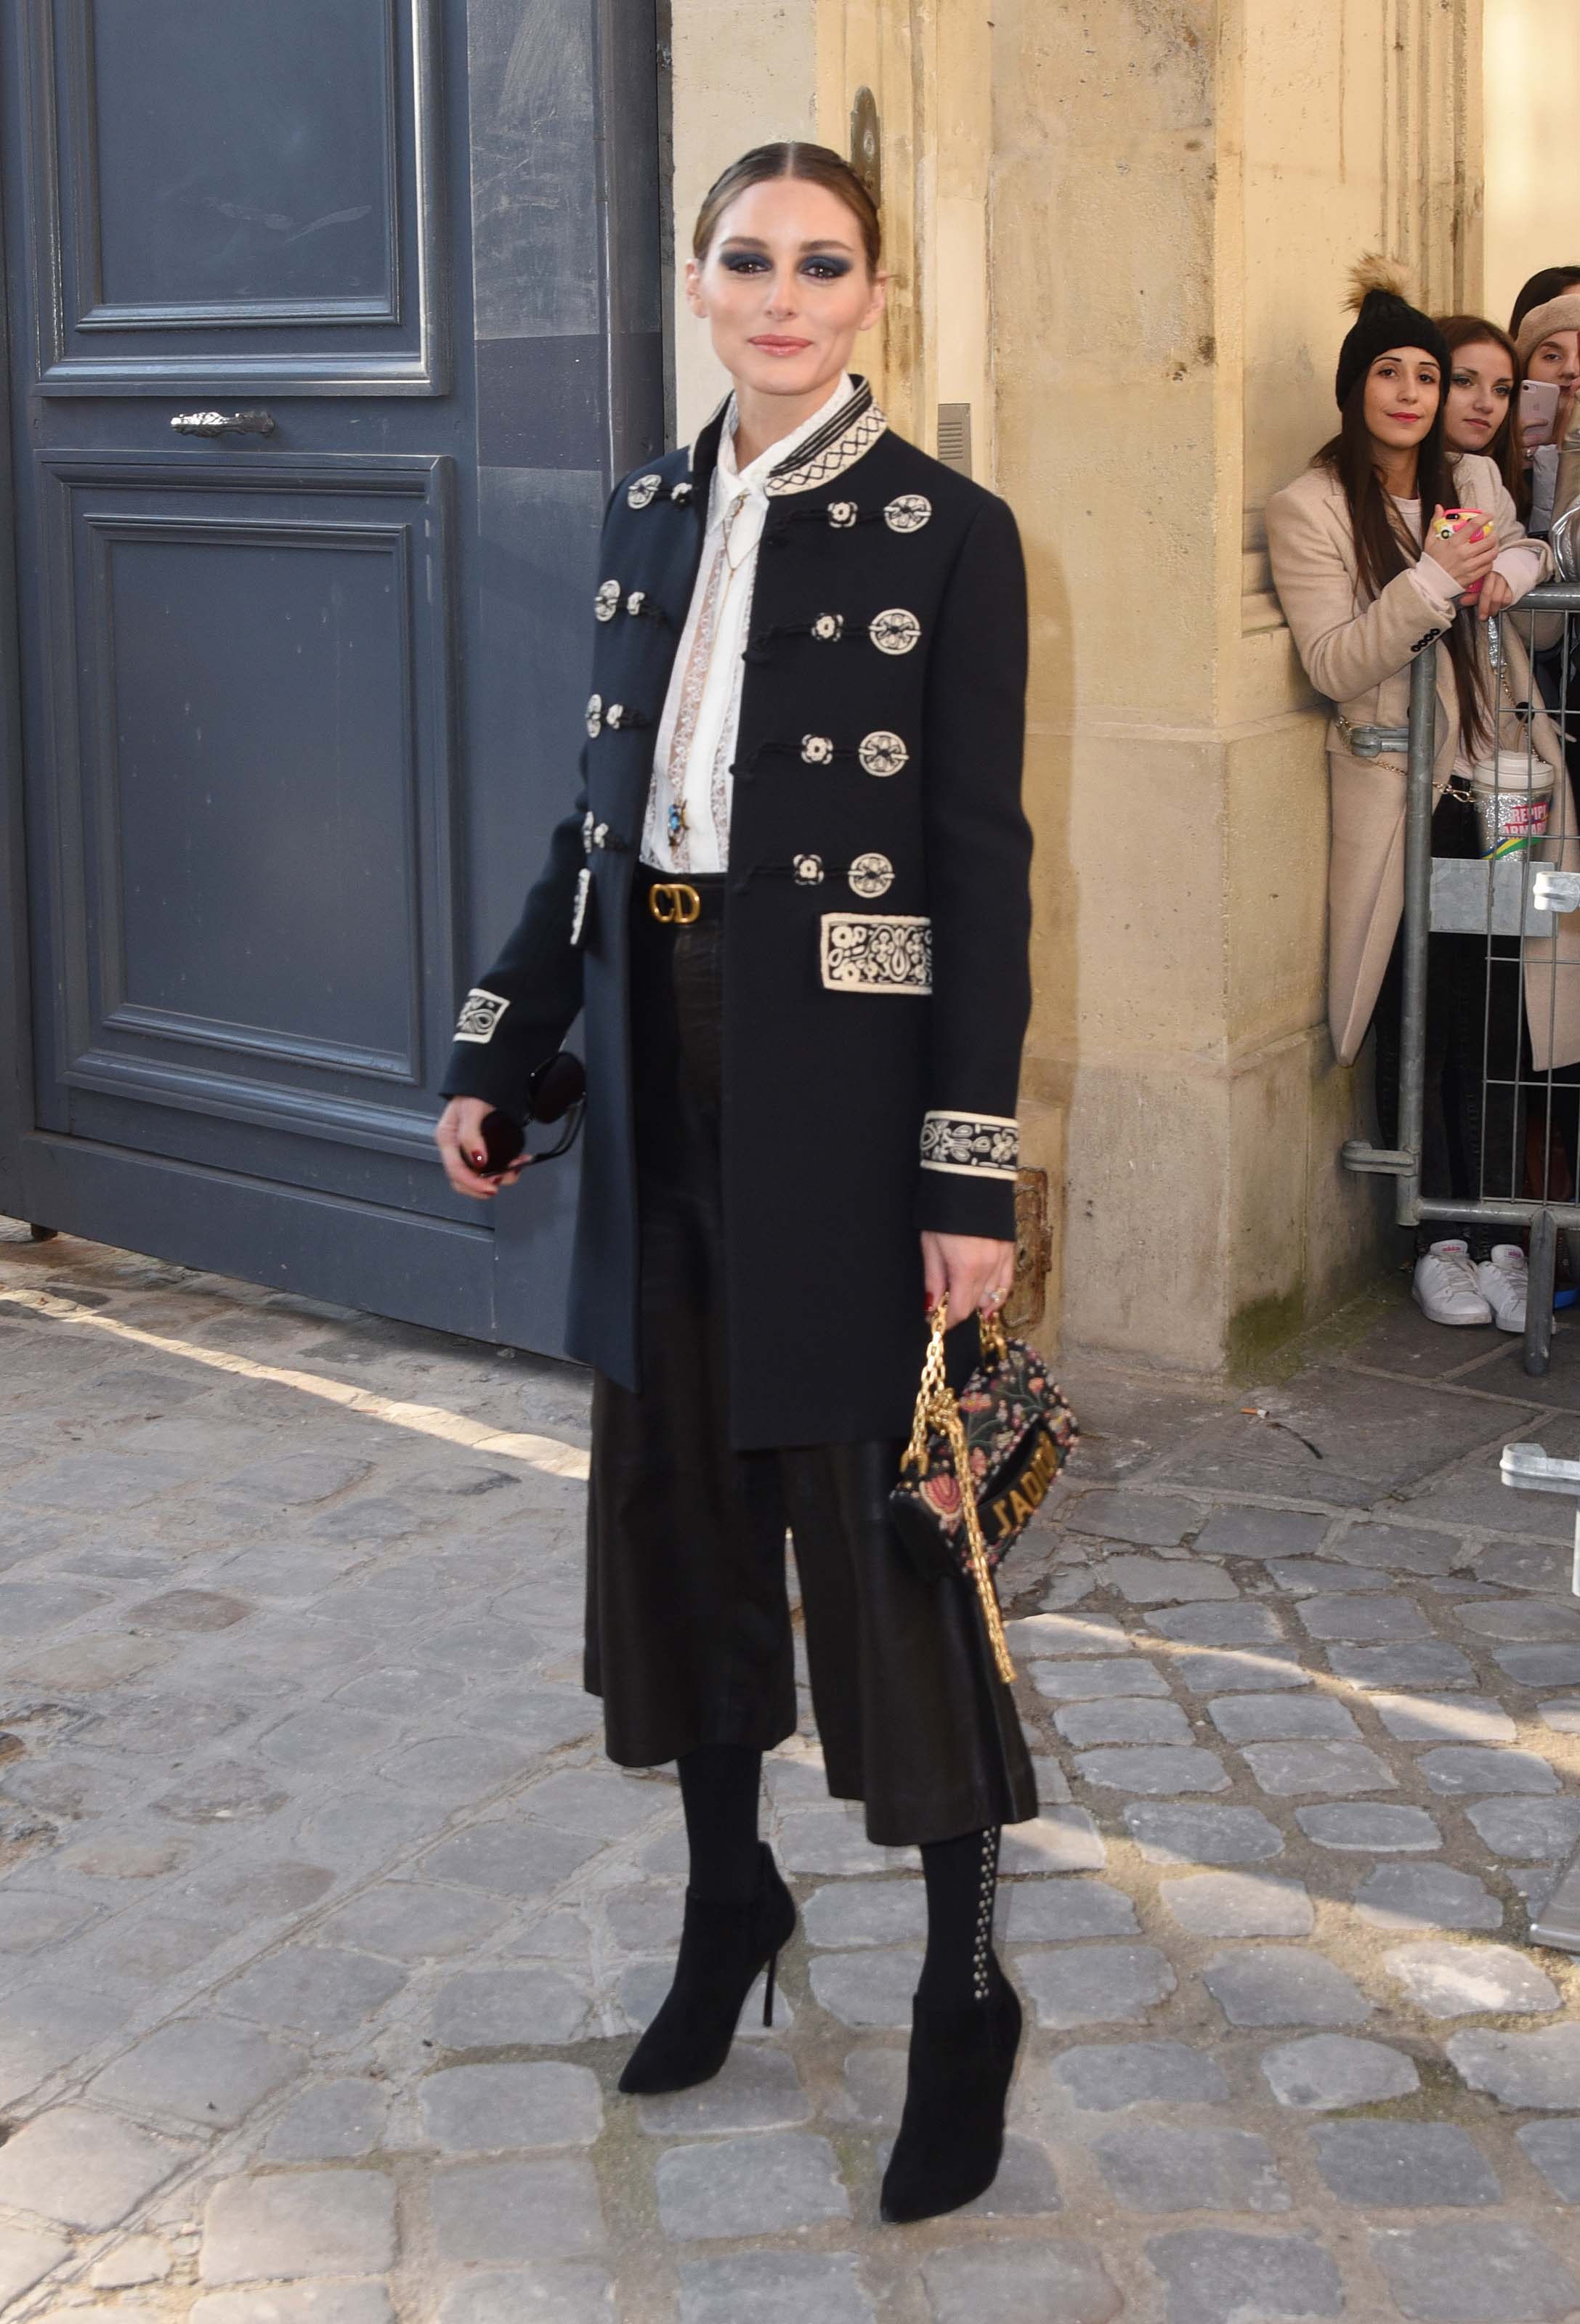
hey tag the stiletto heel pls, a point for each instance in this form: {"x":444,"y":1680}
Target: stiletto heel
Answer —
{"x":724,"y":1949}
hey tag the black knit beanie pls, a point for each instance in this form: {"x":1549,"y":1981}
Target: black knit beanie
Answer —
{"x":1384,"y":319}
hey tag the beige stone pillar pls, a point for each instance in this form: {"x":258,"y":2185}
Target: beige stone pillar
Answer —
{"x":1532,"y":53}
{"x":742,"y":76}
{"x":1176,"y":194}
{"x":1122,"y":235}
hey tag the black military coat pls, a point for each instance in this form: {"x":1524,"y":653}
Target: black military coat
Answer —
{"x":876,"y":917}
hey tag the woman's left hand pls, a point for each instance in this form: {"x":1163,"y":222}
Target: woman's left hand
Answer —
{"x":1495,"y":598}
{"x":975,"y":1272}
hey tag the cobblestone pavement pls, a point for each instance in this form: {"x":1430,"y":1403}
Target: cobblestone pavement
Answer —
{"x":323,"y":1927}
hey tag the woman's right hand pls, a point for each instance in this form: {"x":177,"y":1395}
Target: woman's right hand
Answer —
{"x":459,"y":1135}
{"x":1465,"y":559}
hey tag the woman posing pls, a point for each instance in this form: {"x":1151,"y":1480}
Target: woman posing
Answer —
{"x":792,"y":898}
{"x":1363,"y":597}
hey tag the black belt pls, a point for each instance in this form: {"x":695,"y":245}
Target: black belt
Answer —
{"x":680,"y":903}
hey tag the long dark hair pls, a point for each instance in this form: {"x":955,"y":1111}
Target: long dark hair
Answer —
{"x":819,"y":165}
{"x":1383,"y":549}
{"x":1504,"y":449}
{"x":1550,"y":283}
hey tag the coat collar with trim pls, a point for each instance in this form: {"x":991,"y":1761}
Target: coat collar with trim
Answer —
{"x":846,"y":436}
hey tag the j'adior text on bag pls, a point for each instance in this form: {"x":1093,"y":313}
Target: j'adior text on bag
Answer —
{"x":980,"y":1465}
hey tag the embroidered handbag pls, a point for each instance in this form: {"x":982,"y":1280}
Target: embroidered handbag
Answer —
{"x":979,"y":1466}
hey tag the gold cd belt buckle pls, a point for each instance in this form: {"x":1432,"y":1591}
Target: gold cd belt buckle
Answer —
{"x":675,"y":902}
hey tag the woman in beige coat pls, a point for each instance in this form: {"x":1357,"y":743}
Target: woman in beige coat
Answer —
{"x":1362,"y":598}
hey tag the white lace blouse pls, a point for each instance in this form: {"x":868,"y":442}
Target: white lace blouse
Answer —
{"x":687,"y":824}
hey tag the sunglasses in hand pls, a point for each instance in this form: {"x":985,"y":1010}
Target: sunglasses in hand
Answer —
{"x":556,"y":1091}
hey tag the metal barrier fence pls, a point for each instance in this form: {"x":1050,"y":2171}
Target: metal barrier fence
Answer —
{"x":1524,"y":1140}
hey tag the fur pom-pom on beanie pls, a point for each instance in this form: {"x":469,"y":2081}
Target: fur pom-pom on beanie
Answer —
{"x":1384,"y":319}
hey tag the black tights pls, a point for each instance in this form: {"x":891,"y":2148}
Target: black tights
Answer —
{"x":720,"y":1787}
{"x":962,"y":1877}
{"x":1467,"y":1124}
{"x":719,"y":1790}
{"x":1480,"y":1082}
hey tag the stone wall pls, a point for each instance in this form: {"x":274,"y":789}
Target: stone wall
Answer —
{"x":1532,"y":53}
{"x":740,"y":75}
{"x":1121,"y":233}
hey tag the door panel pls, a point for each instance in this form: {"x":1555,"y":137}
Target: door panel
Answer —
{"x":278,"y":748}
{"x":236,"y":196}
{"x":251,"y":780}
{"x":253,"y":170}
{"x":299,"y":705}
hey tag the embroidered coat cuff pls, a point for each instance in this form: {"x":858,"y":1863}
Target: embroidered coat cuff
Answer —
{"x":519,"y":1012}
{"x":496,"y":1047}
{"x":968,"y":1177}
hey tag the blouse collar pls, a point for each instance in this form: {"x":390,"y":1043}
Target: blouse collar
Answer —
{"x":754,"y":475}
{"x":834,"y":438}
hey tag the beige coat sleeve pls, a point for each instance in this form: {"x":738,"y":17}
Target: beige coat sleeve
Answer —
{"x":1533,"y":561}
{"x":1346,"y":652}
{"x":1493,"y":495}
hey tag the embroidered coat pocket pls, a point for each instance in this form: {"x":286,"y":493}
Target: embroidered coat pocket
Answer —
{"x":877,"y":952}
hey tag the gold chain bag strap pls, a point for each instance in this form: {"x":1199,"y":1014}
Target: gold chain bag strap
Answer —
{"x":996,"y":1448}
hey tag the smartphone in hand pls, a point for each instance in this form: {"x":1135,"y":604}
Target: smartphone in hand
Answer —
{"x":1539,"y":408}
{"x":1453,"y":520}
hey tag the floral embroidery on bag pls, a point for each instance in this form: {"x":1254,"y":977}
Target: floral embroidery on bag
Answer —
{"x":1006,"y":1403}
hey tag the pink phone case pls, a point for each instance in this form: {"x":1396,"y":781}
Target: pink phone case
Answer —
{"x":1454,"y":519}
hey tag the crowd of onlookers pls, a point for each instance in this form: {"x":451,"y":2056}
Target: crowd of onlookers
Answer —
{"x":1451,"y":490}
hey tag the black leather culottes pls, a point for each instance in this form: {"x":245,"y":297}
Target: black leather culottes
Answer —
{"x":689,"y":1629}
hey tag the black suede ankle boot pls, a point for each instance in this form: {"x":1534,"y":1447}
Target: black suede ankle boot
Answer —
{"x":952,"y":2132}
{"x":722,"y":1948}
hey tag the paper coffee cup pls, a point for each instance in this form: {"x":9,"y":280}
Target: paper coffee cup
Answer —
{"x":1513,"y":798}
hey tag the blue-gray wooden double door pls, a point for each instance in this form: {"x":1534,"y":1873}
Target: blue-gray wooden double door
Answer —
{"x":298,"y":701}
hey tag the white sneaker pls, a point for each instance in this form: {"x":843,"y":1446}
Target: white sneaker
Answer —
{"x":1501,"y":1281}
{"x":1445,"y":1287}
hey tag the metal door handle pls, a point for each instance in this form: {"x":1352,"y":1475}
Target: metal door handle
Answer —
{"x":221,"y":423}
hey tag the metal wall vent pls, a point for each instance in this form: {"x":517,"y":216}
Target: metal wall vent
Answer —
{"x":955,"y":437}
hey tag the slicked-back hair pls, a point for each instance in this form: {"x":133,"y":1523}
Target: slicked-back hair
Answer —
{"x":818,"y":165}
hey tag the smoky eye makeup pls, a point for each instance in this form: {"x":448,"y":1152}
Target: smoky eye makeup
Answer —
{"x":817,"y":265}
